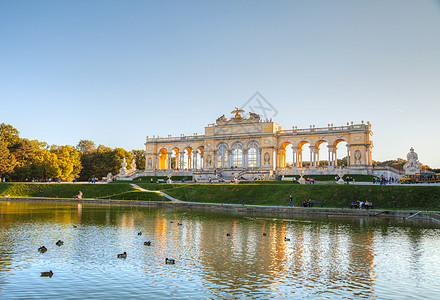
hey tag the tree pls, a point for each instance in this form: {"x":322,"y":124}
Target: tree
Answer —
{"x":139,"y":157}
{"x":69,"y":161}
{"x":8,"y":135}
{"x":86,"y":146}
{"x":7,"y":160}
{"x":34,"y":160}
{"x":118,"y":156}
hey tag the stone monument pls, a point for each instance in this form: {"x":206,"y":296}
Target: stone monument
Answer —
{"x":109,"y":177}
{"x":123,"y":169}
{"x":133,"y":165}
{"x":413,"y":165}
{"x":301,"y":180}
{"x":169,"y":179}
{"x":341,"y":177}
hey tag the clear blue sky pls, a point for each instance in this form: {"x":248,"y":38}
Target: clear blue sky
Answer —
{"x":117,"y":71}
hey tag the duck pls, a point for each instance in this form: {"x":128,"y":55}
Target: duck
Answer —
{"x":47,"y":274}
{"x":264,"y":233}
{"x":286,"y":239}
{"x":171,"y":222}
{"x":74,"y":226}
{"x":228,"y":234}
{"x":59,"y":243}
{"x":179,"y":224}
{"x":42,"y":249}
{"x":140,"y":233}
{"x":147,"y":243}
{"x":170,"y":261}
{"x":122,"y":255}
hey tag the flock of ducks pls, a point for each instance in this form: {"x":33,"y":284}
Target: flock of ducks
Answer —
{"x":169,"y":261}
{"x":286,"y":239}
{"x":43,"y":249}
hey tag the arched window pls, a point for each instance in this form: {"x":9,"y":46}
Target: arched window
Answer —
{"x":237,"y":155}
{"x":222,"y":156}
{"x":253,"y":155}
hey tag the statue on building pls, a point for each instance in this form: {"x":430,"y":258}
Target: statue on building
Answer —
{"x":357,"y":157}
{"x":150,"y":163}
{"x":413,"y":165}
{"x":221,"y":121}
{"x":253,"y":117}
{"x":237,"y":113}
{"x":208,"y":161}
{"x":266,"y":158}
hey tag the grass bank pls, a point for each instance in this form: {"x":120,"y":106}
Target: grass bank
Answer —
{"x":117,"y":191}
{"x":332,"y":195}
{"x":339,"y":196}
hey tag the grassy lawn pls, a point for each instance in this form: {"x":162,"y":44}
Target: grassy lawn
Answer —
{"x":120,"y":191}
{"x":258,"y":193}
{"x":406,"y":197}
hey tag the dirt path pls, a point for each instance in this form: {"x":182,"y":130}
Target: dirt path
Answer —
{"x":162,"y":193}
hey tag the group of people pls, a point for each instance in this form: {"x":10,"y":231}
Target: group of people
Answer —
{"x":306,"y":203}
{"x":382,"y":180}
{"x":360,"y":204}
{"x":311,"y":180}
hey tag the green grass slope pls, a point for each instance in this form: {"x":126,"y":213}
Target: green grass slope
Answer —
{"x":406,"y":197}
{"x":121,"y":191}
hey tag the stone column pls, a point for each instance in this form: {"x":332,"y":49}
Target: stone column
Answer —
{"x":317,"y":156}
{"x":331,"y":156}
{"x":230,"y":159}
{"x":295,"y":157}
{"x":202,"y":161}
{"x":259,"y":156}
{"x":156,"y":162}
{"x":190,"y":159}
{"x":244,"y":162}
{"x":168,"y":161}
{"x":300,"y":157}
{"x":348,"y":155}
{"x":277,"y":162}
{"x":195,"y":159}
{"x":312,"y":156}
{"x":181,"y":160}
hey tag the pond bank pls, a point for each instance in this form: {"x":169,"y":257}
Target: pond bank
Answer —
{"x":252,"y":209}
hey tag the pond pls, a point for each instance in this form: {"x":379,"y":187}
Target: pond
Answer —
{"x":217,"y":255}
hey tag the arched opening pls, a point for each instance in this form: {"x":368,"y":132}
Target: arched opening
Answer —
{"x":340,"y":153}
{"x":322,"y":154}
{"x":237,"y":155}
{"x":175,"y":158}
{"x":303,"y":157}
{"x":163,"y":159}
{"x":286,"y":155}
{"x":252,"y":156}
{"x":187,"y":158}
{"x":221,"y":156}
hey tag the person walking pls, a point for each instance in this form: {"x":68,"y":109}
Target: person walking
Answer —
{"x":291,"y":201}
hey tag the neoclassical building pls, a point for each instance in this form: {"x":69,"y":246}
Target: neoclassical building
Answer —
{"x":247,"y":146}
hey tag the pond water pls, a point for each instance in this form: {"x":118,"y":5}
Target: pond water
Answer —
{"x":326,"y":258}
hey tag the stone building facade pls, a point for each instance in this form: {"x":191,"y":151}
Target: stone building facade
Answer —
{"x":249,"y":146}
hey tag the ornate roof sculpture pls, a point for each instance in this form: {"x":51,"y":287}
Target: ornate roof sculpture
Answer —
{"x":238,"y":118}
